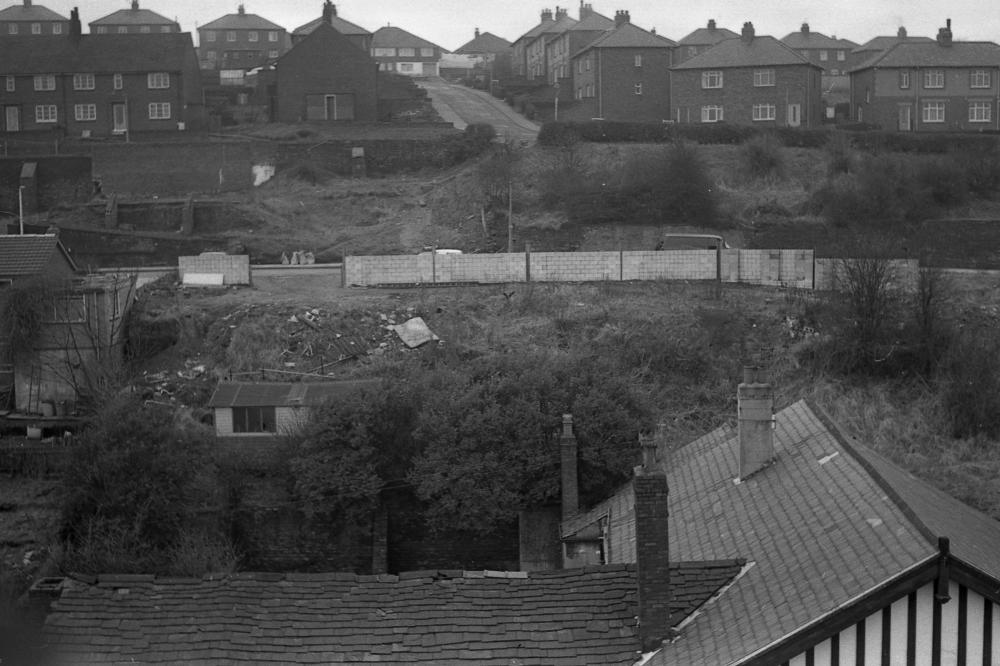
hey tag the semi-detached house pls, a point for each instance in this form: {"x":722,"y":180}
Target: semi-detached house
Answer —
{"x":830,"y":53}
{"x":241,"y":41}
{"x":31,"y":19}
{"x":402,"y":52}
{"x":561,"y":49}
{"x":133,"y":20}
{"x":936,"y":86}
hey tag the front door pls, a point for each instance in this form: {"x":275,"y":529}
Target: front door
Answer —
{"x":794,"y":115}
{"x":12,"y":116}
{"x":905,"y":117}
{"x":340,"y":106}
{"x":121,"y":118}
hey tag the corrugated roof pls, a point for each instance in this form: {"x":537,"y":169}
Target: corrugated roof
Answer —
{"x":58,"y":54}
{"x":486,"y":42}
{"x":815,"y":40}
{"x":30,"y":254}
{"x":761,"y":51}
{"x":931,"y":54}
{"x":707,"y":36}
{"x":133,"y":17}
{"x":628,"y":35}
{"x":391,"y":36}
{"x":572,"y":617}
{"x":240,"y":22}
{"x":339,"y":24}
{"x":32,"y":13}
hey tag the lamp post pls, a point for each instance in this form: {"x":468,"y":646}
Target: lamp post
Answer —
{"x":555,"y":116}
{"x":20,"y":208}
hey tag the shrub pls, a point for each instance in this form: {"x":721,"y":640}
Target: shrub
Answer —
{"x":972,"y":385}
{"x":982,"y":168}
{"x":839,"y":154}
{"x":685,"y":189}
{"x":761,"y":157}
{"x":944,"y":180}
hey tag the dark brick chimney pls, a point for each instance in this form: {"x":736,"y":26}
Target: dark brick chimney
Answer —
{"x":75,"y":30}
{"x":586,"y":9}
{"x":652,"y":556}
{"x":711,"y":24}
{"x":805,"y":29}
{"x":477,"y":33}
{"x":944,"y":34}
{"x":748,"y":32}
{"x":568,"y":466}
{"x":622,"y":17}
{"x":901,"y":33}
{"x":241,"y":10}
{"x":27,"y":4}
{"x":135,"y":5}
{"x":755,"y":404}
{"x":546,"y":15}
{"x":561,"y":12}
{"x":328,"y":12}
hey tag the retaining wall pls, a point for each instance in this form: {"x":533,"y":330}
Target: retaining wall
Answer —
{"x":235,"y":268}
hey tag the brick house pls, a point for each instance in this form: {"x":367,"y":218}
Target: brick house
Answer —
{"x":535,"y":50}
{"x":561,"y":49}
{"x":402,"y":52}
{"x":930,"y":86}
{"x":359,"y":36}
{"x":623,"y":75}
{"x":519,"y":49}
{"x":492,"y":55}
{"x":100,"y":85}
{"x":883,"y":43}
{"x":750,"y":80}
{"x":832,"y":54}
{"x":29,"y":19}
{"x":240,"y":41}
{"x":701,"y":40}
{"x":326,"y":76}
{"x":133,"y":20}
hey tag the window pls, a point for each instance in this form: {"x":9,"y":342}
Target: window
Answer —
{"x":590,"y":90}
{"x":904,"y":80}
{"x":57,"y":28}
{"x":159,"y":111}
{"x":45,"y":113}
{"x":587,"y":65}
{"x":426,"y":52}
{"x":272,"y":54}
{"x":933,"y":112}
{"x":209,"y":35}
{"x":841,"y":56}
{"x":230,"y":35}
{"x":868,"y":95}
{"x":406,"y":66}
{"x":823,"y":55}
{"x":763,"y":78}
{"x":579,"y":93}
{"x":979,"y":78}
{"x":804,"y":53}
{"x":242,"y":99}
{"x":164,"y":28}
{"x":83,"y":82}
{"x":711,"y":79}
{"x":934,"y":78}
{"x":158,"y":80}
{"x":579,"y":67}
{"x":834,"y":72}
{"x":980,"y":112}
{"x":11,"y":28}
{"x":118,"y":83}
{"x":45,"y":82}
{"x":763,"y":111}
{"x":253,"y":35}
{"x":254,"y":419}
{"x":9,"y":86}
{"x":272,"y":35}
{"x":85,"y":112}
{"x":385,"y":52}
{"x":68,"y":309}
{"x":638,"y":89}
{"x":638,"y":60}
{"x":405,"y":52}
{"x":36,"y":28}
{"x":123,"y":30}
{"x":102,"y":29}
{"x":143,"y":28}
{"x":711,"y":114}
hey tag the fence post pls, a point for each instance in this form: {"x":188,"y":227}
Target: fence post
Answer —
{"x":527,"y":262}
{"x":621,"y":264}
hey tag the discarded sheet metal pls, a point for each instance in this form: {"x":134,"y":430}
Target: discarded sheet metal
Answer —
{"x":414,"y":332}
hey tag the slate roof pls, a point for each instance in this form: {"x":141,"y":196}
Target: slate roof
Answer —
{"x":570,"y":617}
{"x":136,"y":16}
{"x":931,"y":54}
{"x":240,"y":22}
{"x":57,"y":54}
{"x":827,"y":522}
{"x":628,"y":35}
{"x":703,"y":36}
{"x":815,"y":40}
{"x":391,"y":36}
{"x":486,"y":42}
{"x":30,"y":254}
{"x":32,"y":13}
{"x":761,"y":51}
{"x":339,"y":24}
{"x":885,"y":42}
{"x":284,"y":394}
{"x":593,"y":21}
{"x":534,"y":32}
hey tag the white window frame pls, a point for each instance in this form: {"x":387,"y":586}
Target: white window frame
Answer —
{"x":980,"y":111}
{"x":938,"y":107}
{"x":587,"y":65}
{"x":638,"y":88}
{"x":57,"y":28}
{"x":406,"y":52}
{"x":711,"y":79}
{"x":158,"y":80}
{"x":763,"y":78}
{"x":144,"y":29}
{"x":384,"y":52}
{"x":230,"y":35}
{"x":253,"y":36}
{"x":764,"y":112}
{"x":102,"y":30}
{"x":11,"y":28}
{"x":272,"y":35}
{"x":209,"y":35}
{"x":84,"y":112}
{"x":9,"y":83}
{"x":273,"y":53}
{"x":637,"y":61}
{"x":904,"y":80}
{"x":118,"y":82}
{"x":712,"y":113}
{"x":45,"y":82}
{"x":46,"y":113}
{"x":824,"y":55}
{"x":36,"y":28}
{"x":980,"y":79}
{"x":123,"y":30}
{"x":934,"y":78}
{"x":159,"y":110}
{"x":85,"y":81}
{"x":841,"y":56}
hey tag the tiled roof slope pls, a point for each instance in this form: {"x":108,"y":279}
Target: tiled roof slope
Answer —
{"x":815,"y":40}
{"x":57,"y":54}
{"x":32,"y":13}
{"x":284,"y":394}
{"x":133,"y":17}
{"x":29,"y":254}
{"x":628,"y":35}
{"x":885,"y":42}
{"x":594,"y":21}
{"x":571,"y":617}
{"x":486,"y":42}
{"x":761,"y":51}
{"x":703,"y":36}
{"x":240,"y":22}
{"x":391,"y":36}
{"x":932,"y":54}
{"x":342,"y":26}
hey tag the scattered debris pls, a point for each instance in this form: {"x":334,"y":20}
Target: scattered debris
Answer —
{"x":415,"y":332}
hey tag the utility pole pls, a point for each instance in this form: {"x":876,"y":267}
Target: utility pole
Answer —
{"x":20,"y":208}
{"x":510,"y":213}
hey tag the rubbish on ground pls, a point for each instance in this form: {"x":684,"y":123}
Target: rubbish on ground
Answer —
{"x":415,"y":332}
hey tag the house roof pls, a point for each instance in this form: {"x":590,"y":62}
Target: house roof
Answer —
{"x":134,"y":16}
{"x":931,"y":54}
{"x":573,"y":616}
{"x":761,"y":51}
{"x":32,"y":13}
{"x":240,"y":21}
{"x":486,"y":42}
{"x":826,"y":523}
{"x":57,"y":54}
{"x":885,"y":42}
{"x":30,"y":254}
{"x":801,"y":39}
{"x":339,"y":24}
{"x":534,"y":32}
{"x":284,"y":394}
{"x":390,"y":36}
{"x":593,"y":21}
{"x":628,"y":35}
{"x":709,"y":35}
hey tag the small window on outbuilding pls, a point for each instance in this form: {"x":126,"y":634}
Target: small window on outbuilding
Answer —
{"x":254,"y":420}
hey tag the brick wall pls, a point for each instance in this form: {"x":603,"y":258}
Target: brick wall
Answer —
{"x":235,"y":268}
{"x":173,"y":168}
{"x":652,"y":557}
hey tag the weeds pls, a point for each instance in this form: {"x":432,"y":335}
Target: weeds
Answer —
{"x":761,"y":157}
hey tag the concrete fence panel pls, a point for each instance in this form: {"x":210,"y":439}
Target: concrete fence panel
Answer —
{"x":669,"y":265}
{"x":485,"y":268}
{"x":234,"y":268}
{"x":575,"y":266}
{"x":388,"y":269}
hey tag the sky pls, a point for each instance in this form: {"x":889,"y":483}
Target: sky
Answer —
{"x":451,"y":23}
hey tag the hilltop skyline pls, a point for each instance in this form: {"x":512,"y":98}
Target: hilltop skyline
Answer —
{"x":451,"y":23}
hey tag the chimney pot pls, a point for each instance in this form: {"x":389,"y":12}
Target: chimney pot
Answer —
{"x":748,"y":32}
{"x":648,"y":445}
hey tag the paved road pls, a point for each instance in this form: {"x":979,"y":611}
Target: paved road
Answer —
{"x":462,"y":106}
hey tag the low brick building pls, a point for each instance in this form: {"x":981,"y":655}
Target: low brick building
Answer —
{"x":750,"y":80}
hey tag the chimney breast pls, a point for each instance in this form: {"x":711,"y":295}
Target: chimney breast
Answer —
{"x":546,"y":15}
{"x":748,"y":32}
{"x":568,"y":468}
{"x":901,"y":33}
{"x":944,"y":34}
{"x":241,"y":10}
{"x":755,"y":400}
{"x":805,"y":28}
{"x":652,"y":556}
{"x":711,"y":24}
{"x":135,"y":5}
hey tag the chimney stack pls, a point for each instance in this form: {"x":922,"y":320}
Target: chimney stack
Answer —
{"x":711,"y":24}
{"x":561,"y":12}
{"x":805,"y":29}
{"x":586,"y":9}
{"x":652,"y":556}
{"x":568,"y":467}
{"x":944,"y":34}
{"x":241,"y":10}
{"x":327,"y":12}
{"x":901,"y":33}
{"x":27,"y":4}
{"x":748,"y":32}
{"x":755,"y":399}
{"x":135,"y":5}
{"x":477,"y":33}
{"x":622,"y":17}
{"x":75,"y":30}
{"x":546,"y":15}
